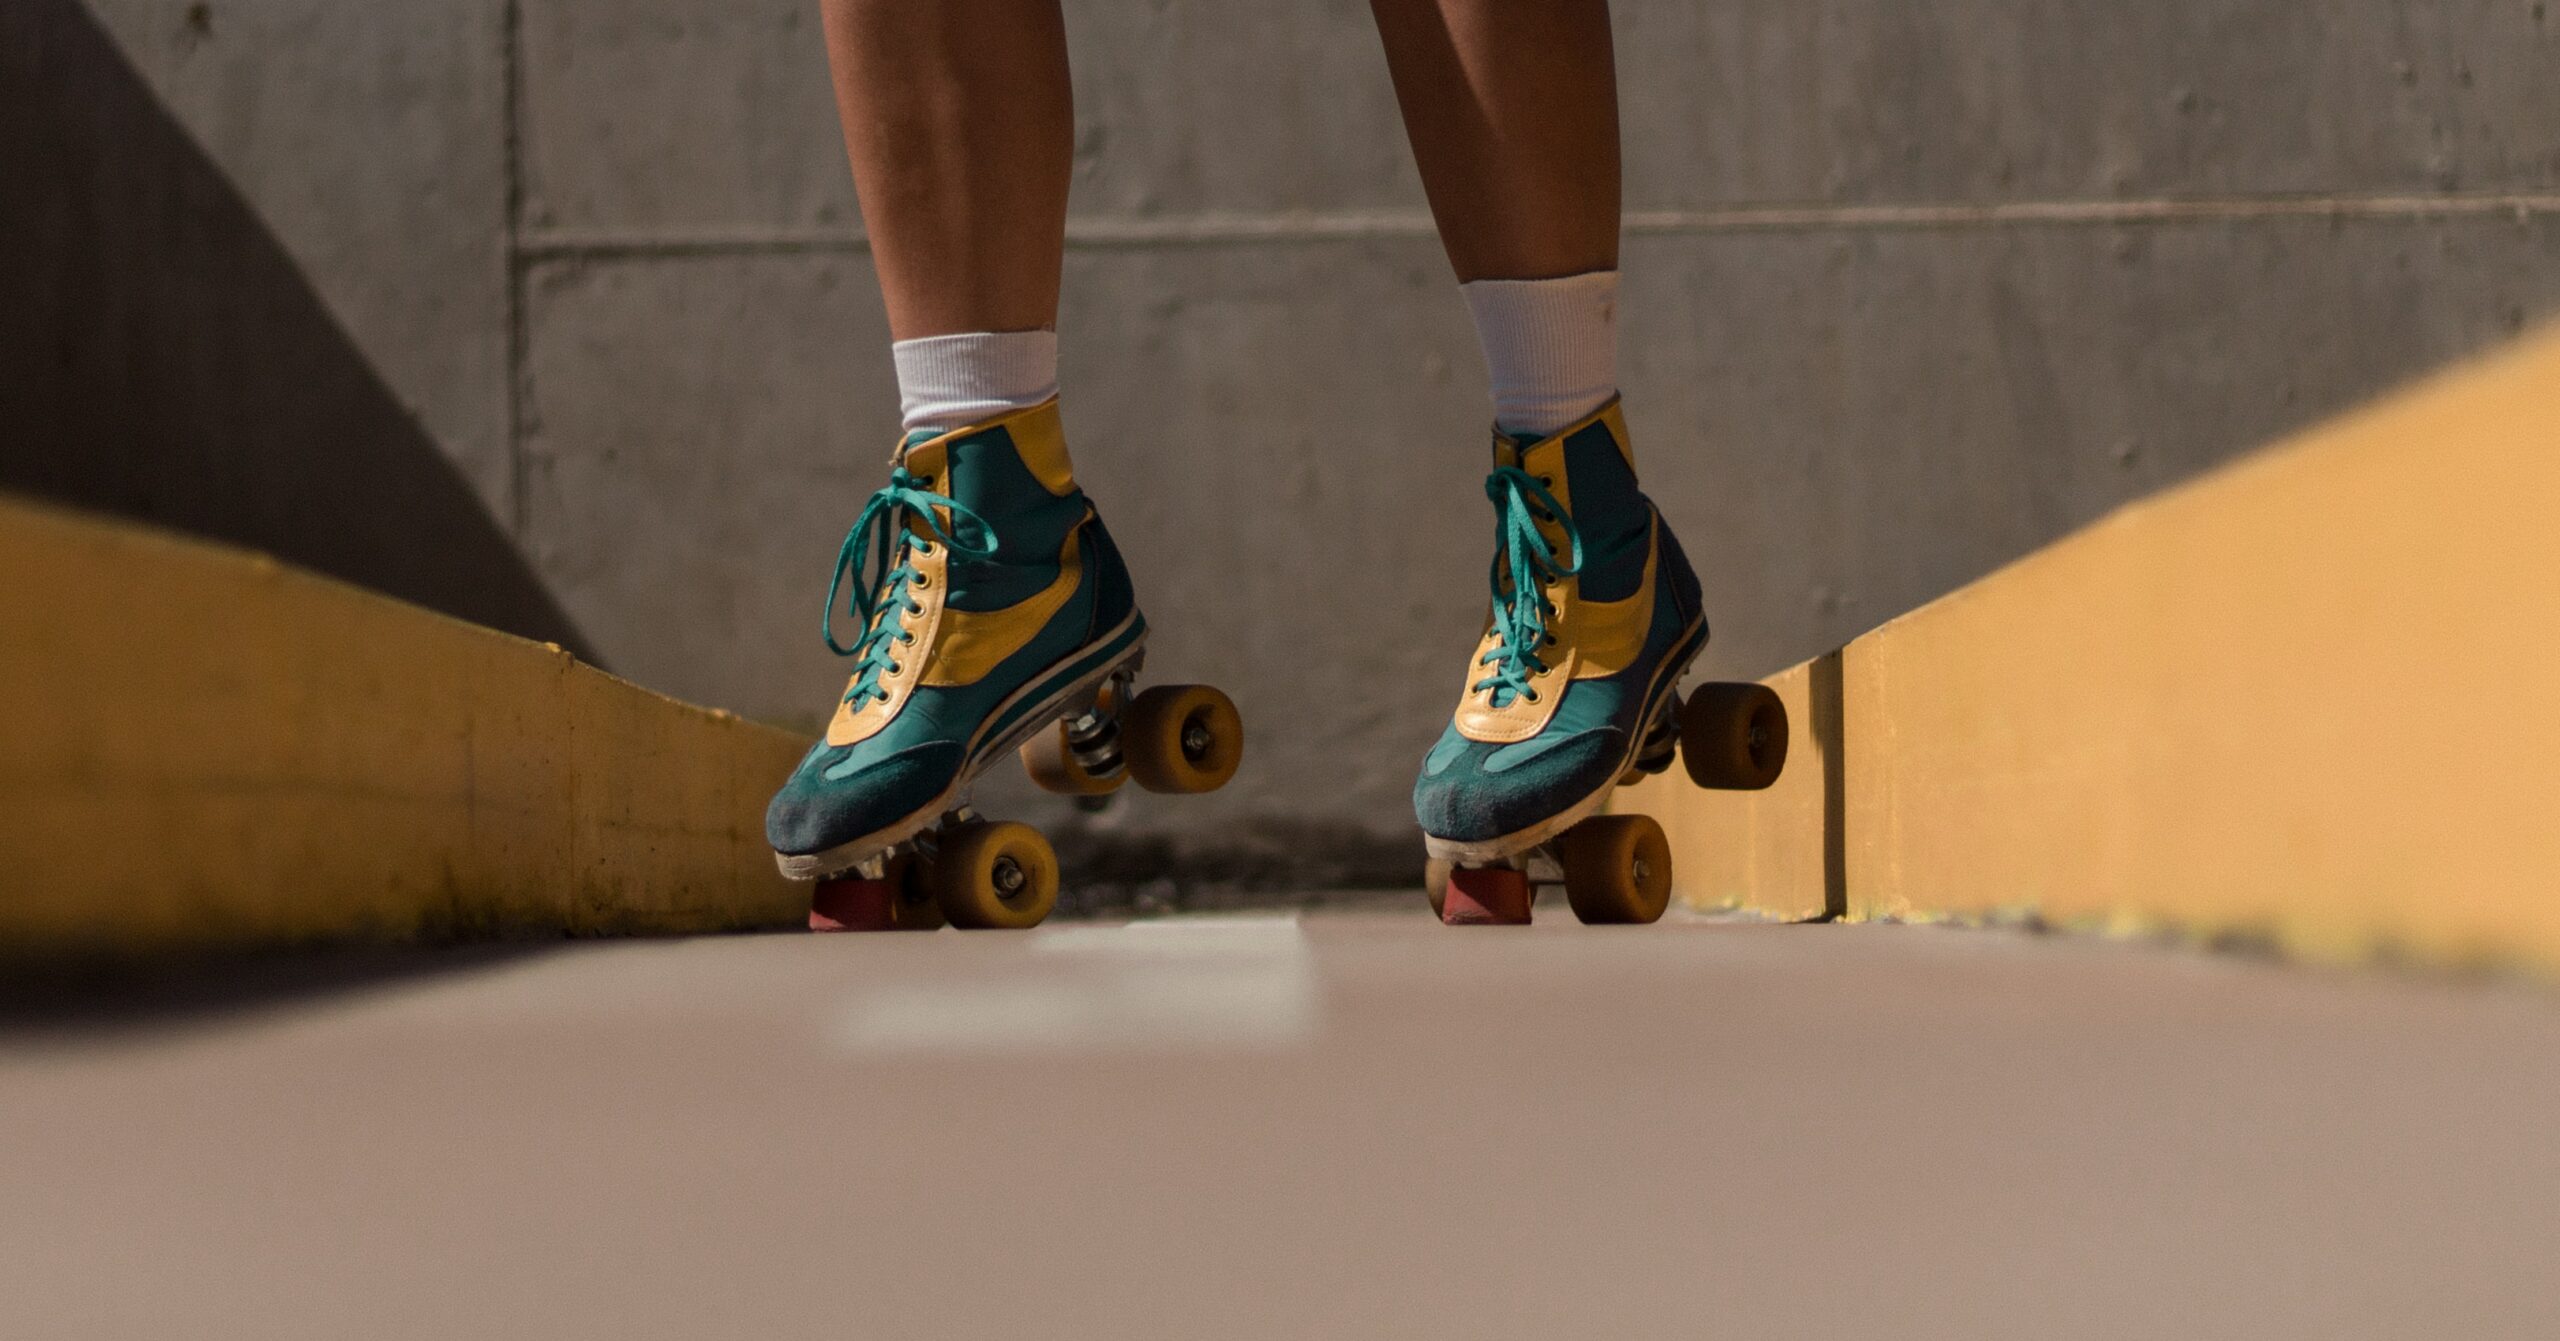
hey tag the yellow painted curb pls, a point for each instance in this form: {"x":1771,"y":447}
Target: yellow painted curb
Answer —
{"x":2312,"y":697}
{"x":207,"y":747}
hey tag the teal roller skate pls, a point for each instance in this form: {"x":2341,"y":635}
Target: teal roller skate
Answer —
{"x":1574,"y":689}
{"x":993,"y":615}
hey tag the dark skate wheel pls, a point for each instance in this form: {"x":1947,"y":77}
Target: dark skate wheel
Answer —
{"x":1486,"y":896}
{"x":1182,"y":738}
{"x":1617,"y":869}
{"x":1435,"y":882}
{"x":899,"y":902}
{"x":999,"y":876}
{"x":1733,"y":737}
{"x":1050,"y":759}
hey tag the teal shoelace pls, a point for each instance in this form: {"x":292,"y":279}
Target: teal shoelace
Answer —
{"x":880,"y":603}
{"x":1523,"y":564}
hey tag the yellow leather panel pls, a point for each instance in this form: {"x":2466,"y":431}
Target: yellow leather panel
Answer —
{"x":1523,"y":717}
{"x":932,"y":460}
{"x":974,"y":642}
{"x":1041,"y":442}
{"x":1607,"y":636}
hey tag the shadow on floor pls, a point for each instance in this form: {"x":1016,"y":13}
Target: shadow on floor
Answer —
{"x":162,"y":358}
{"x":55,"y":1006}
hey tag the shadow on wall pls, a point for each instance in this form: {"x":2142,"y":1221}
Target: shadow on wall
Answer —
{"x":162,"y":358}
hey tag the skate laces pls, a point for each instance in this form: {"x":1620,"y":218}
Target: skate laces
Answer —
{"x":881,"y":602}
{"x":1523,"y":564}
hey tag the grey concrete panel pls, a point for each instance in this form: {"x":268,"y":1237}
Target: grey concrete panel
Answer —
{"x":1979,"y":100}
{"x":677,"y":114}
{"x":1287,"y":442}
{"x":673,"y":114}
{"x":699,"y":435}
{"x":1187,"y":107}
{"x":1874,"y":418}
{"x":662,"y":115}
{"x":371,"y":141}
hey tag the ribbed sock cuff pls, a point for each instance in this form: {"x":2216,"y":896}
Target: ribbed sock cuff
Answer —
{"x":953,"y":381}
{"x":1551,"y":346}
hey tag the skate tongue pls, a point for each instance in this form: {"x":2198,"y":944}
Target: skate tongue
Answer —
{"x":916,"y":437}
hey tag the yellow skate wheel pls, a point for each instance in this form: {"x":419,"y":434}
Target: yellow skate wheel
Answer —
{"x":1182,"y":738}
{"x":1050,"y":760}
{"x":999,"y":876}
{"x":1617,"y":869}
{"x":1733,"y":737}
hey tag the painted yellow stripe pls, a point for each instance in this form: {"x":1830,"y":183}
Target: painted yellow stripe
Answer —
{"x":2313,"y":696}
{"x":207,"y":747}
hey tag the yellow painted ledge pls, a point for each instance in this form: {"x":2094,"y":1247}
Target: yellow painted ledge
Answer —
{"x":206,"y":747}
{"x":2312,"y":697}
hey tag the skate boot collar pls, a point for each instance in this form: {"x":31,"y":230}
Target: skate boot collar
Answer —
{"x":1531,"y":451}
{"x":1035,"y":436}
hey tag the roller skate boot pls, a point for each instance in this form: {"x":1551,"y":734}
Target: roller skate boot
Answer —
{"x":992,"y":614}
{"x":1573,"y":690}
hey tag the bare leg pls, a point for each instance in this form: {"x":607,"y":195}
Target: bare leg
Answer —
{"x":961,"y":126}
{"x":957,"y":117}
{"x":1512,"y":107}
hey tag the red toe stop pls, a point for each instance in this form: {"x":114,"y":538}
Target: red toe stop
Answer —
{"x":1486,"y":896}
{"x":853,"y":904}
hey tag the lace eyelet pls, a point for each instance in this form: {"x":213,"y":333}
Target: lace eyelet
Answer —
{"x":923,"y":581}
{"x":909,"y":639}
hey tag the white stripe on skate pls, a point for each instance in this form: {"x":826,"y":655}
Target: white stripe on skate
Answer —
{"x":1214,"y":984}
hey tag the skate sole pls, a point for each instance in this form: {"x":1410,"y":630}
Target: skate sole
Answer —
{"x":1052,"y":693}
{"x":1493,"y":850}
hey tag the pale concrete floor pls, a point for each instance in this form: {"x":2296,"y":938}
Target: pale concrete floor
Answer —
{"x":1347,"y":1125}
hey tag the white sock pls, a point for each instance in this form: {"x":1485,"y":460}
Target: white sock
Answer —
{"x":1551,"y":345}
{"x":953,"y":381}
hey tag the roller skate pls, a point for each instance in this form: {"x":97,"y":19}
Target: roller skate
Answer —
{"x":1574,"y":690}
{"x":994,"y":616}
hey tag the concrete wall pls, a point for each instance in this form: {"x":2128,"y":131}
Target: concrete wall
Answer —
{"x":1911,"y":290}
